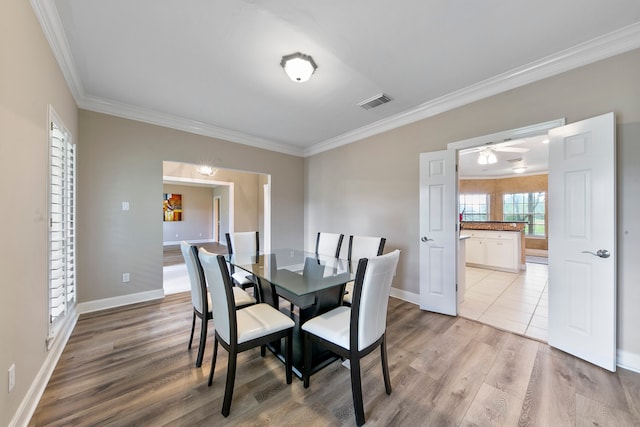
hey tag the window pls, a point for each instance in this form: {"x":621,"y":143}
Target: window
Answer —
{"x":474,"y":207}
{"x":62,"y":237}
{"x":528,"y":207}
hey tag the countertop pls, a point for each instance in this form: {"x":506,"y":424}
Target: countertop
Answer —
{"x":492,"y":225}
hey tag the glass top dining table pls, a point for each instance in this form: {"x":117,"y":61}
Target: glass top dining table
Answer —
{"x":297,"y":272}
{"x":313,"y":283}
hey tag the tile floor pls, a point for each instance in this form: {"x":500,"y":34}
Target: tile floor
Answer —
{"x":513,"y":302}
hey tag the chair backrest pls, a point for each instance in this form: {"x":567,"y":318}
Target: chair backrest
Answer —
{"x":243,"y":242}
{"x":364,"y":247}
{"x":329,"y":244}
{"x":224,"y":309}
{"x":196,"y":277}
{"x":371,"y":298}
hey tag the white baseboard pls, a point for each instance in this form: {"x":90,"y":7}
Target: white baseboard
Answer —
{"x":103,"y":304}
{"x":405,"y":296}
{"x":32,"y":398}
{"x":627,"y":360}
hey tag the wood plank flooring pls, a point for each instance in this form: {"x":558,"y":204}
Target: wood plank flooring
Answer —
{"x":130,"y":367}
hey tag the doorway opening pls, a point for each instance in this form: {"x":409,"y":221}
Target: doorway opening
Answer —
{"x":221,"y":202}
{"x":493,"y":172}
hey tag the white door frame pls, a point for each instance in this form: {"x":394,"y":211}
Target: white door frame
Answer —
{"x":507,"y":135}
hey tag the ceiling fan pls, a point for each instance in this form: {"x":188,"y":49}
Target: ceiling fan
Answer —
{"x":487,"y":152}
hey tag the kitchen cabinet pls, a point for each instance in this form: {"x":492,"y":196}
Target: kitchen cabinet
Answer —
{"x":475,"y":251}
{"x":497,"y":250}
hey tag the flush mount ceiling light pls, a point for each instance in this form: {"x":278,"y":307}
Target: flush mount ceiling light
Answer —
{"x":206,"y":170}
{"x":487,"y":157}
{"x":298,"y":66}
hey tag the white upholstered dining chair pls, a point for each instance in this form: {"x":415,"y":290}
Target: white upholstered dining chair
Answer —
{"x":244,"y":243}
{"x":329,"y":244}
{"x":353,"y":332}
{"x":240,"y":330}
{"x":361,"y":247}
{"x":200,"y":298}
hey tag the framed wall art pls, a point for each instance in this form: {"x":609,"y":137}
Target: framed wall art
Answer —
{"x":172,"y":207}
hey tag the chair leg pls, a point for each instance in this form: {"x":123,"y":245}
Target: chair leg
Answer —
{"x":193,"y":327}
{"x":213,"y":360}
{"x":203,"y":341}
{"x":385,"y":366}
{"x":263,"y":350}
{"x":356,"y":389}
{"x":288,"y":363}
{"x":306,"y":372}
{"x":231,"y":378}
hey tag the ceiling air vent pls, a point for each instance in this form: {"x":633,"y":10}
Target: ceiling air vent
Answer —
{"x":370,"y":103}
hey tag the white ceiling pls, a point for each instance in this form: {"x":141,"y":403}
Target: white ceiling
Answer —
{"x":213,"y":66}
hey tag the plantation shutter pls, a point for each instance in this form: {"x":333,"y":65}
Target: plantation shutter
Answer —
{"x":62,"y":222}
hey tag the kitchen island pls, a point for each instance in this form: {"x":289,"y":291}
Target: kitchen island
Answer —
{"x":495,"y":245}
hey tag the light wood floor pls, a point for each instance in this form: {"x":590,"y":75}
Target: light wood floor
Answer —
{"x":130,"y":367}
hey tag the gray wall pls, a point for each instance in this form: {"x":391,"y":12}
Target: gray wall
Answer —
{"x":371,"y":187}
{"x":122,"y":160}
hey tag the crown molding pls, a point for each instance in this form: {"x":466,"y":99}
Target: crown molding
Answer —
{"x":614,"y":43}
{"x":47,"y":14}
{"x":132,"y":112}
{"x":611,"y":44}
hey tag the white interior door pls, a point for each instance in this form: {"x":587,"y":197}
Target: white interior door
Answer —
{"x":216,"y":219}
{"x":438,"y":231}
{"x":582,"y":240}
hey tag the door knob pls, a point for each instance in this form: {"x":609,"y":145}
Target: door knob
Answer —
{"x":602,"y":253}
{"x":426,"y":239}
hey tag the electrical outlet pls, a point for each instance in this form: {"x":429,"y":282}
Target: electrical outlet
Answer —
{"x":125,"y":278}
{"x":12,"y":376}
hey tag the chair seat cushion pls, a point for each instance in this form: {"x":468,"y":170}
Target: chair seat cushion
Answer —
{"x":332,"y":326}
{"x":348,"y":293}
{"x":242,"y":298}
{"x":259,"y":320}
{"x":241,"y":277}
